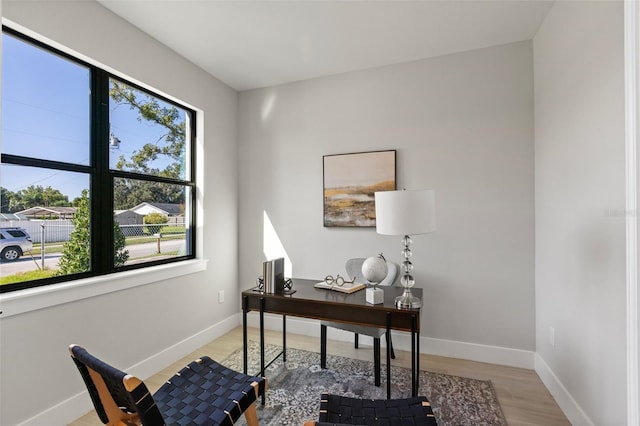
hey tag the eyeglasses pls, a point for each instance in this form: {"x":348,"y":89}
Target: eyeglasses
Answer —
{"x":338,"y":280}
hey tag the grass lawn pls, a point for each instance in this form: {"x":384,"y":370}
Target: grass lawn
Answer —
{"x":38,"y":274}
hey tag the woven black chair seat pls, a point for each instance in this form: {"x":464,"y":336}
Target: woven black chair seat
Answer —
{"x":206,"y":393}
{"x":202,"y":393}
{"x":342,"y":410}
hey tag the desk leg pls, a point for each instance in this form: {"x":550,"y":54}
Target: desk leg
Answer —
{"x":284,"y":338}
{"x":388,"y":356}
{"x":245,"y":354}
{"x":415,"y":357}
{"x":376,"y":361}
{"x":323,"y":346}
{"x":262,"y":343}
{"x":417,"y":361}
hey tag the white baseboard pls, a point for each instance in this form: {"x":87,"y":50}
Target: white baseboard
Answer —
{"x":476,"y":352}
{"x":173,"y":353}
{"x":62,"y":413}
{"x":565,"y":401}
{"x":78,"y":405}
{"x":402,"y":341}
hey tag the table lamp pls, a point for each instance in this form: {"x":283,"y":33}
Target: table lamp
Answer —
{"x":406,"y":213}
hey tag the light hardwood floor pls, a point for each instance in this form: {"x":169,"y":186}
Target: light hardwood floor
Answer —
{"x":523,"y":398}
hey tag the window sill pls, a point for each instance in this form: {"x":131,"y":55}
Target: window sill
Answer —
{"x":23,"y":301}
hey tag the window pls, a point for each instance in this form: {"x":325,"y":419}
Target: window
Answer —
{"x":97,"y":172}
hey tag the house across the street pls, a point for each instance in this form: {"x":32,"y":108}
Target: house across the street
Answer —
{"x":165,"y":209}
{"x":40,"y":212}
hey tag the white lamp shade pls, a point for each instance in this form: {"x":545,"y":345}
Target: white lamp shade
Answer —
{"x":406,"y":212}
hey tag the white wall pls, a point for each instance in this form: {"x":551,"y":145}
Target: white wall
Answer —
{"x":132,"y":325}
{"x":463,"y":125}
{"x":580,"y":202}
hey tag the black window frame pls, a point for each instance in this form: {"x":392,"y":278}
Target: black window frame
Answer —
{"x":101,"y":176}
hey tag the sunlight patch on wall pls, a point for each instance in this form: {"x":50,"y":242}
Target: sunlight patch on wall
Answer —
{"x":267,"y":106}
{"x":272,"y":246}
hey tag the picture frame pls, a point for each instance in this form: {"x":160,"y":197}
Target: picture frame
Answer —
{"x":349,"y":183}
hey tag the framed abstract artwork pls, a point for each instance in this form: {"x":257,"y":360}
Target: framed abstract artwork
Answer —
{"x":350,"y":181}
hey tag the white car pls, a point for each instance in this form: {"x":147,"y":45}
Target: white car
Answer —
{"x":13,"y":243}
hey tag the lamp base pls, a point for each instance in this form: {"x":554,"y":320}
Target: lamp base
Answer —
{"x":408,"y":300}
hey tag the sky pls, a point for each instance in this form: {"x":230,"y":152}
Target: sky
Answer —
{"x":46,"y":114}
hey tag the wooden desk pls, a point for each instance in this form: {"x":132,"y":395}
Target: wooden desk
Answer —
{"x":328,"y":305}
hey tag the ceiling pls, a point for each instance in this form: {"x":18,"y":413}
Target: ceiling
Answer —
{"x":252,"y":44}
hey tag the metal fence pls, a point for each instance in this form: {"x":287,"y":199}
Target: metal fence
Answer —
{"x":59,"y":231}
{"x":55,"y":231}
{"x":166,"y":230}
{"x":144,"y":242}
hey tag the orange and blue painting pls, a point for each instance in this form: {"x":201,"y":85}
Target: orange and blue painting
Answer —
{"x":350,"y":181}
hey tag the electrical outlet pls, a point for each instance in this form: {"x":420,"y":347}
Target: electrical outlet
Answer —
{"x":221,"y":296}
{"x":552,"y":336}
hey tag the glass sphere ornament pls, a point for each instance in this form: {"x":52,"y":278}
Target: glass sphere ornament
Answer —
{"x":407,"y":281}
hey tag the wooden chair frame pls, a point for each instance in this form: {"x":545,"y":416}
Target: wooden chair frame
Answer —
{"x":139,"y":399}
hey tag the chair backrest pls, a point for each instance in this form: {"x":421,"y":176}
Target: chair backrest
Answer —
{"x":354,"y":270}
{"x":393,"y":270}
{"x":116,"y":395}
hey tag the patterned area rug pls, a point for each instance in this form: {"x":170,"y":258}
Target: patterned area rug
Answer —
{"x":294,"y":389}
